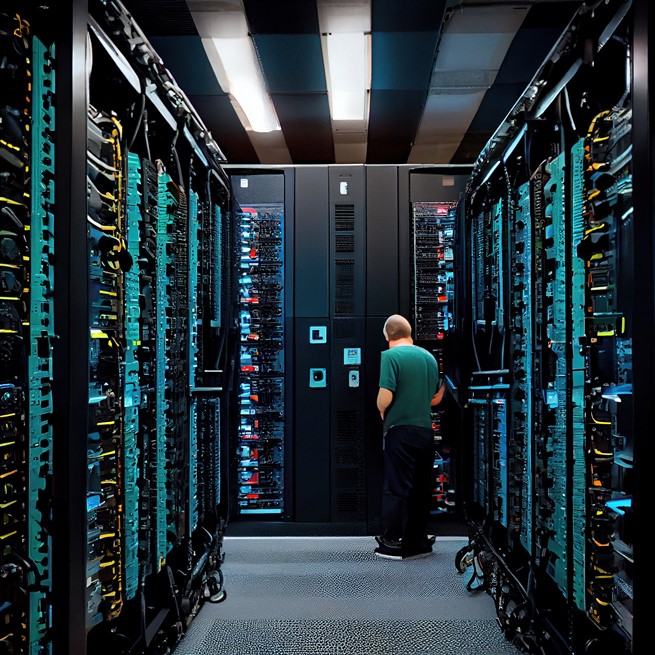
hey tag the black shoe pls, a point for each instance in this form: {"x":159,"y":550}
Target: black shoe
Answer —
{"x":389,"y":553}
{"x":426,"y":542}
{"x":388,"y":543}
{"x":416,"y":553}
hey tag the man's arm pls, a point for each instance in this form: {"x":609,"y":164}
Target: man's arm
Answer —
{"x":384,"y":400}
{"x":438,"y":397}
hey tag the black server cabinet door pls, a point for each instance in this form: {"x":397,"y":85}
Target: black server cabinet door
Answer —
{"x":347,"y":206}
{"x":312,"y":354}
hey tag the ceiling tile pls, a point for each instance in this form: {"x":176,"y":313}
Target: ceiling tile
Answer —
{"x":186,"y":59}
{"x":305,"y":121}
{"x":395,"y":16}
{"x":288,"y":17}
{"x":434,"y":153}
{"x":473,"y":51}
{"x":393,"y":122}
{"x":403,"y":61}
{"x":449,"y":114}
{"x":277,"y":51}
{"x":271,"y":147}
{"x":495,"y":106}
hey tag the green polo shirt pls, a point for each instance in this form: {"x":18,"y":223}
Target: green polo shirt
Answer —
{"x":412,"y":375}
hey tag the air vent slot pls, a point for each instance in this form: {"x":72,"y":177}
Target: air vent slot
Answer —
{"x":344,"y":243}
{"x":344,"y":218}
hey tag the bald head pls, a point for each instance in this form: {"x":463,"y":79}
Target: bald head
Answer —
{"x":397,"y":327}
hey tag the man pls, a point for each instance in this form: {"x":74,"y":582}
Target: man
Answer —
{"x":409,"y":387}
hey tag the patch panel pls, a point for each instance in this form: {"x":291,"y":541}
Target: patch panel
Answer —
{"x":522,"y":396}
{"x":133,"y":391}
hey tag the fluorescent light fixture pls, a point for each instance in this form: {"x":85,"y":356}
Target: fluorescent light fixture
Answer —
{"x":349,"y":71}
{"x":245,"y":82}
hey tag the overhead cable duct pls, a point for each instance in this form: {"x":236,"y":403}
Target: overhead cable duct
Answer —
{"x":531,"y":101}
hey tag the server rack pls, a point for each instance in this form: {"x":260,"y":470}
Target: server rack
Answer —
{"x":27,"y":165}
{"x":433,"y":233}
{"x":114,"y":269}
{"x":552,"y":318}
{"x":262,"y":443}
{"x":155,"y":540}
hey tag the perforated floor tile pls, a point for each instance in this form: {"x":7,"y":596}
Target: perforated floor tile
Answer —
{"x":333,"y":596}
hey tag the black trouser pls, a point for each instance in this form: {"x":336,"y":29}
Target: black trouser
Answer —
{"x":408,"y":484}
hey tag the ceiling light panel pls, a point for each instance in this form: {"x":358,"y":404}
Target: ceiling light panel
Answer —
{"x":348,"y":69}
{"x":223,"y":29}
{"x":342,"y":16}
{"x":345,"y":28}
{"x":246,"y":82}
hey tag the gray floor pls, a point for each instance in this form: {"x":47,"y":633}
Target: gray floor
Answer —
{"x":332,"y":596}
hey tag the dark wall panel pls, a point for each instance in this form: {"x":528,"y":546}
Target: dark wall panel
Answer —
{"x":347,"y":453}
{"x":381,"y":240}
{"x":311,"y":442}
{"x":347,"y":195}
{"x":311,"y":242}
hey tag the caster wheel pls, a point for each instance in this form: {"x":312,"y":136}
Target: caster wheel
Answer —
{"x":463,"y":559}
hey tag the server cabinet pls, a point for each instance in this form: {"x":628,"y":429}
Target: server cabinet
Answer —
{"x":435,"y":196}
{"x":432,"y":304}
{"x":110,"y":420}
{"x":261,"y":440}
{"x":155,"y":207}
{"x":552,"y":238}
{"x":27,"y":171}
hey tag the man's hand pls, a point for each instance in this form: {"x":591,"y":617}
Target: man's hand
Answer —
{"x":385,"y":398}
{"x":438,"y":397}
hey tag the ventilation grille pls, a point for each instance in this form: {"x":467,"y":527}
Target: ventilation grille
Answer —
{"x":344,"y":288}
{"x":344,"y":243}
{"x":344,"y":308}
{"x":346,"y":456}
{"x":348,"y":464}
{"x":349,"y":503}
{"x":344,"y":271}
{"x":344,"y":218}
